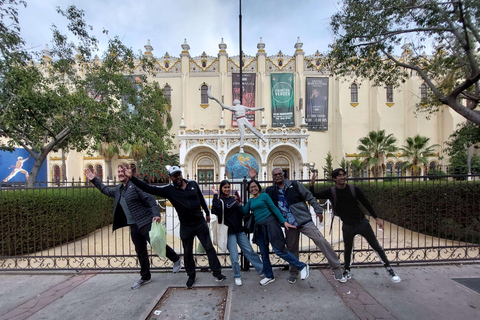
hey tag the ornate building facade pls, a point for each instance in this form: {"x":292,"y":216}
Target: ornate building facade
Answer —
{"x":298,"y":131}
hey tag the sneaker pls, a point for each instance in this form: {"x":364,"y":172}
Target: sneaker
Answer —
{"x":339,"y":276}
{"x":266,"y":281}
{"x":292,"y":279}
{"x":347,"y":274}
{"x":395,"y":278}
{"x":140,"y":283}
{"x":177,"y":265}
{"x":219,"y":277}
{"x":190,"y":282}
{"x":238,"y":281}
{"x":304,"y":273}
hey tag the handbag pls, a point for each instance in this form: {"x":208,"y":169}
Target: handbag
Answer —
{"x":222,"y":232}
{"x":249,"y":223}
{"x":158,"y":239}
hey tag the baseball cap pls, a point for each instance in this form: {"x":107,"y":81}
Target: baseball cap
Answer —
{"x":174,"y":169}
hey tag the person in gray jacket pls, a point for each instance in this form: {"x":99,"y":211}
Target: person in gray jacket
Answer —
{"x":138,"y":210}
{"x":291,"y":197}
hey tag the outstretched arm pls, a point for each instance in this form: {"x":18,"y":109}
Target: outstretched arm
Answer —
{"x":255,"y":109}
{"x":209,"y":95}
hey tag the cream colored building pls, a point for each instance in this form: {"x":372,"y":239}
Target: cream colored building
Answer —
{"x":205,"y":138}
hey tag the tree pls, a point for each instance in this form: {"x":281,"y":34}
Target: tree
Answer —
{"x":356,"y":166}
{"x":368,"y":33}
{"x":328,"y":168}
{"x":107,"y":151}
{"x":72,"y":99}
{"x":417,"y":152}
{"x":375,"y":148}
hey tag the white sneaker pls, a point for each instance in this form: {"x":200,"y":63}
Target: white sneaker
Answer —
{"x":238,"y":281}
{"x":266,"y":281}
{"x":304,"y":273}
{"x":395,"y":278}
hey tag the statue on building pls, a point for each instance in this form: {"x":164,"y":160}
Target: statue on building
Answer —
{"x":242,"y":121}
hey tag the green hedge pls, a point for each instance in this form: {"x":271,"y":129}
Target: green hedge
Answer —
{"x":446,"y":209}
{"x":33,"y":220}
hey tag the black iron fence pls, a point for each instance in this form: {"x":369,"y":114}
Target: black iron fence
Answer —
{"x":67,"y":226}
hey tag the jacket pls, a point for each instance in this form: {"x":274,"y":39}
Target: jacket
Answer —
{"x":142,"y":206}
{"x":296,"y":196}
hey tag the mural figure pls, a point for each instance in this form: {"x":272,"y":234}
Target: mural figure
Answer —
{"x":17,"y":168}
{"x":242,"y":121}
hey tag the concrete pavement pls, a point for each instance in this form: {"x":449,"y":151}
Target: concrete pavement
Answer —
{"x":425,"y":292}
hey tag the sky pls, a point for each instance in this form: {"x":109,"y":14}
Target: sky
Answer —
{"x":203,"y":23}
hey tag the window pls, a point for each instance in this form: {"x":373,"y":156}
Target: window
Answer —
{"x":56,"y":174}
{"x":432,"y":166}
{"x":99,"y":171}
{"x":354,"y":92}
{"x":204,"y":97}
{"x":168,"y":93}
{"x":389,"y":93}
{"x":423,"y":91}
{"x":389,"y":169}
{"x":398,"y":169}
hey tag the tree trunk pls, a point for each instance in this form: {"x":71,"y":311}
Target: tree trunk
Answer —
{"x":36,"y":168}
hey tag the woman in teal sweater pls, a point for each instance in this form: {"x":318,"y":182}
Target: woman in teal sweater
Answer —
{"x":267,"y":229}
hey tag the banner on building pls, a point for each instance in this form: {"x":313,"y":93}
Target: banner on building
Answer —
{"x":282,"y":100}
{"x":316,"y":111}
{"x":16,"y":166}
{"x":248,"y":93}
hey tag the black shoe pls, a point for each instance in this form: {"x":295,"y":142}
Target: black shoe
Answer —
{"x":219,"y":277}
{"x":347,"y":274}
{"x":190,"y":282}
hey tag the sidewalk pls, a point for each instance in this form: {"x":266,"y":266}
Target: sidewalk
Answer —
{"x":425,"y":292}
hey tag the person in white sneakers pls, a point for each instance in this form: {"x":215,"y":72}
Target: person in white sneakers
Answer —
{"x":267,"y":230}
{"x":345,"y":199}
{"x":227,"y":207}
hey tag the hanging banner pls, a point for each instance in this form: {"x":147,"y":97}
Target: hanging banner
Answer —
{"x":248,"y":92}
{"x":282,"y":100}
{"x":316,"y":111}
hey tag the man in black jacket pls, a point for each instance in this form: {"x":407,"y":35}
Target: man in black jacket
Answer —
{"x":139,"y":210}
{"x":188,"y":200}
{"x":345,"y":205}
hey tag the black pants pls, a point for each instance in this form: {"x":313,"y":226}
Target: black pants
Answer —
{"x":188,"y":233}
{"x":364,"y":229}
{"x":139,"y":238}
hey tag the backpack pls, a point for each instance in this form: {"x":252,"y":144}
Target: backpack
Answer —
{"x":334,"y":200}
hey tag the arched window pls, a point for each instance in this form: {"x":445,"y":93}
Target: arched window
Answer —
{"x":203,"y":92}
{"x":57,"y":173}
{"x":354,"y":93}
{"x":423,"y":91}
{"x":389,"y":90}
{"x":390,"y":167}
{"x":399,"y":169}
{"x":99,"y":171}
{"x":168,"y":93}
{"x":432,"y":166}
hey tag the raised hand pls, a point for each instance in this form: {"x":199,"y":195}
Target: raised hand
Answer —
{"x":252,"y":173}
{"x":314,"y":177}
{"x":89,"y":174}
{"x":214,"y":190}
{"x":127,"y":171}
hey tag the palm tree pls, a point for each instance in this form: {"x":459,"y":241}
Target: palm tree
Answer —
{"x":417,"y":150}
{"x":375,"y":148}
{"x":107,"y":151}
{"x":356,"y":166}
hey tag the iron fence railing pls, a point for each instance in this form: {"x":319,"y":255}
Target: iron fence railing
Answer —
{"x":408,"y":205}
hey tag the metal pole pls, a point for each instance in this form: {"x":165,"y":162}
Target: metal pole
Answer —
{"x":241,"y":58}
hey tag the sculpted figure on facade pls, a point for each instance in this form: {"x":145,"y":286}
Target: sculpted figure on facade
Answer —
{"x":242,"y":121}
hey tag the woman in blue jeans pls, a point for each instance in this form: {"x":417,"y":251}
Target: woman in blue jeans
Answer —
{"x":267,"y":229}
{"x":233,"y":220}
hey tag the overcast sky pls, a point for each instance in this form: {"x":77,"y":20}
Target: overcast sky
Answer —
{"x":202,"y":23}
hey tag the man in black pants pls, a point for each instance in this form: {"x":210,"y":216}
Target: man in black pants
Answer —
{"x":139,"y":210}
{"x":188,"y":200}
{"x":345,"y":205}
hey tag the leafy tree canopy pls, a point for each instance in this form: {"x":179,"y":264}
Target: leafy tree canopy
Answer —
{"x":370,"y":32}
{"x":375,"y":148}
{"x":69,"y":98}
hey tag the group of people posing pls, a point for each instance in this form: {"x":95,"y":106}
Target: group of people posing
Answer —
{"x":282,"y":204}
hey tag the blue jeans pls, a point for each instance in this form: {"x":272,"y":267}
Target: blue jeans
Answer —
{"x":287,"y":256}
{"x":242,"y":240}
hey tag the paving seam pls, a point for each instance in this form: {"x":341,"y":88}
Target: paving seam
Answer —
{"x":47,"y":297}
{"x":358,"y":299}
